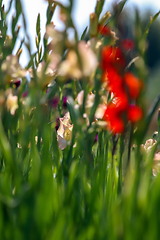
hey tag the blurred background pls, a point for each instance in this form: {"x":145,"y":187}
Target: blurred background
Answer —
{"x":80,"y":14}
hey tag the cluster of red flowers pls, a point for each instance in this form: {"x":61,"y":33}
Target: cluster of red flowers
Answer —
{"x":125,"y":88}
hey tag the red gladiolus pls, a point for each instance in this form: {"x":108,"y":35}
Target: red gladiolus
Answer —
{"x":134,"y":113}
{"x":112,"y":57}
{"x":112,"y":65}
{"x":121,"y":101}
{"x":112,"y":117}
{"x":110,"y":112}
{"x":113,"y":79}
{"x":127,"y":44}
{"x":106,"y":57}
{"x":134,"y":84}
{"x":119,"y":57}
{"x":104,"y":30}
{"x":117,"y":126}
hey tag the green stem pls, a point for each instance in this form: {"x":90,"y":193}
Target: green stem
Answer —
{"x":60,"y":102}
{"x":120,"y":163}
{"x":129,"y":145}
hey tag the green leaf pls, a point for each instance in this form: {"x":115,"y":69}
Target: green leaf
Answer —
{"x":74,"y":113}
{"x":143,"y":126}
{"x":38,"y":24}
{"x":36,"y":164}
{"x":5,"y":145}
{"x":152,"y":19}
{"x":84,"y":33}
{"x":119,"y":8}
{"x":50,"y":13}
{"x":99,"y":7}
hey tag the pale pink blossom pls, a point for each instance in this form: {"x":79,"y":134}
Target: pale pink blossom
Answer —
{"x":47,"y":73}
{"x":64,"y":132}
{"x":156,"y":164}
{"x":89,"y":103}
{"x":12,"y":103}
{"x":88,"y":59}
{"x":71,"y":67}
{"x":13,"y":70}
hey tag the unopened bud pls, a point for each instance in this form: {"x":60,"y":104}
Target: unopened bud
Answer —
{"x":105,"y":18}
{"x":99,"y":7}
{"x":19,"y":52}
{"x":93,"y":24}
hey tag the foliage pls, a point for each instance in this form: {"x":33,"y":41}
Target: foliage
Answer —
{"x":73,"y":162}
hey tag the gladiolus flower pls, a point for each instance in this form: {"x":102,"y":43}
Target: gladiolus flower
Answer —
{"x":121,"y":101}
{"x":54,"y":102}
{"x":25,"y":94}
{"x":45,"y":75}
{"x":104,"y":30}
{"x":100,"y":111}
{"x":12,"y":103}
{"x":134,"y":113}
{"x":15,"y":83}
{"x":112,"y":65}
{"x":112,"y":117}
{"x":113,"y":79}
{"x":127,"y":44}
{"x":64,"y":101}
{"x":133,"y":84}
{"x":117,"y":126}
{"x":110,"y":111}
{"x":13,"y":70}
{"x":64,"y":133}
{"x":112,"y":57}
{"x":70,"y":67}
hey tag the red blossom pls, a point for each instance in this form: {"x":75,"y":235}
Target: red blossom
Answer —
{"x":117,"y":126}
{"x":104,"y":30}
{"x":127,"y":44}
{"x":134,"y":85}
{"x":113,"y":64}
{"x":113,"y":79}
{"x":112,"y":57}
{"x":110,"y":112}
{"x":134,"y":113}
{"x":121,"y":101}
{"x":113,"y":118}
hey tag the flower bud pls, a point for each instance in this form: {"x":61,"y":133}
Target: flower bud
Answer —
{"x":93,"y":24}
{"x":105,"y":18}
{"x":99,"y":7}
